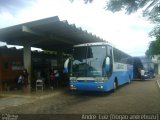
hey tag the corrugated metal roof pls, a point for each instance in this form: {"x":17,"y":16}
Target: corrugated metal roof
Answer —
{"x":48,"y":34}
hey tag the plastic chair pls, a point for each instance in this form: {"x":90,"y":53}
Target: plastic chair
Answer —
{"x":39,"y":83}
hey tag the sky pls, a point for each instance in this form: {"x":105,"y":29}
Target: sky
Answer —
{"x":128,"y":33}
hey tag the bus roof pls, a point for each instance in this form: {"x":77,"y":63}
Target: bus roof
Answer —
{"x":92,"y":44}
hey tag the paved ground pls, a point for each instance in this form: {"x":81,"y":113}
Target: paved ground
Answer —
{"x":139,"y":97}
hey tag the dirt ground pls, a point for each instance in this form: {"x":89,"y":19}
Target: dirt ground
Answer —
{"x":139,"y":97}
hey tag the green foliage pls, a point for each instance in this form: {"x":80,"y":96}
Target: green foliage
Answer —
{"x":155,"y":31}
{"x":154,"y":48}
{"x":85,"y":1}
{"x":129,"y":6}
{"x":151,"y":7}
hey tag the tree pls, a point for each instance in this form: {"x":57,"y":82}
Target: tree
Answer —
{"x":151,"y":7}
{"x":154,"y":48}
{"x":85,"y":1}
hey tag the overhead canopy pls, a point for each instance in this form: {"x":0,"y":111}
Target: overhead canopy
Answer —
{"x":48,"y":34}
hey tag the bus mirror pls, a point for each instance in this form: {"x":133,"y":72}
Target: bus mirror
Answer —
{"x":66,"y":69}
{"x":107,"y":64}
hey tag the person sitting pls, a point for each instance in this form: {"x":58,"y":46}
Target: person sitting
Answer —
{"x":20,"y":81}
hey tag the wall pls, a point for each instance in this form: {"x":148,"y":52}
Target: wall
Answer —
{"x":156,"y":60}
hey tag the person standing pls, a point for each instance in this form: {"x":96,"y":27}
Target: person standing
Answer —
{"x":25,"y":76}
{"x":25,"y":79}
{"x":56,"y":77}
{"x":142,"y":74}
{"x":52,"y":79}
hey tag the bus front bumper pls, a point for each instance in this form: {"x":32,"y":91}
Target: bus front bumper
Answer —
{"x":87,"y":87}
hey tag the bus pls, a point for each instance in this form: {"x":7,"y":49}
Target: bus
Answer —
{"x":97,"y":67}
{"x":143,"y":63}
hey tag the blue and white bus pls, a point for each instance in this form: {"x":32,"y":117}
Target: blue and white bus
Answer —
{"x":98,"y":67}
{"x":143,"y":63}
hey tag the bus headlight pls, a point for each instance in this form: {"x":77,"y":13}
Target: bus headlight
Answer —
{"x":73,"y":79}
{"x":72,"y":87}
{"x":100,"y":80}
{"x":100,"y":87}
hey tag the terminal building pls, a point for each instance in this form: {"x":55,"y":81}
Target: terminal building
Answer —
{"x":53,"y":36}
{"x":156,"y":61}
{"x":11,"y":66}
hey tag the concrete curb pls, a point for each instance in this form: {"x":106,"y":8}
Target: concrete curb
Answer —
{"x":158,"y":84}
{"x":158,"y":80}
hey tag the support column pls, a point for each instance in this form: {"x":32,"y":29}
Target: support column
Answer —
{"x":27,"y":64}
{"x":60,"y":58}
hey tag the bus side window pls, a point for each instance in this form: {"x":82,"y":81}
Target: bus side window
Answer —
{"x":115,"y":55}
{"x":109,"y":54}
{"x":109,"y":51}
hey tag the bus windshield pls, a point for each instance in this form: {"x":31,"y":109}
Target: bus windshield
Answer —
{"x":147,"y":64}
{"x":88,"y":61}
{"x":148,"y":67}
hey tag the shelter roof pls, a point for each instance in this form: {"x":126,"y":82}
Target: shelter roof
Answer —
{"x":48,"y":34}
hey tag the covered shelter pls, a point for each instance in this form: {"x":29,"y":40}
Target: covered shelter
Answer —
{"x":48,"y":34}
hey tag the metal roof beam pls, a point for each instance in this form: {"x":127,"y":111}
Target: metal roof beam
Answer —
{"x":38,"y":34}
{"x":29,"y":30}
{"x":60,"y":39}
